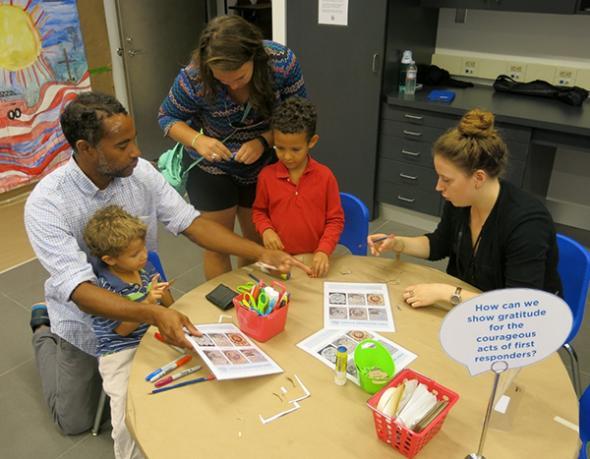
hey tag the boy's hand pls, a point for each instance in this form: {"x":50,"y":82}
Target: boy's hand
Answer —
{"x":271,"y":240}
{"x":320,"y":265}
{"x":249,"y":152}
{"x":157,"y":290}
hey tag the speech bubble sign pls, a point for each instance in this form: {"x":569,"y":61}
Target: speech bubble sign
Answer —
{"x":517,"y":326}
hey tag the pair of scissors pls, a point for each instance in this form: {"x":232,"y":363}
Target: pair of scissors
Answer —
{"x":262,"y":303}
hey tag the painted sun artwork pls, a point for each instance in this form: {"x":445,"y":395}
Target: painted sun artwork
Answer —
{"x":42,"y":67}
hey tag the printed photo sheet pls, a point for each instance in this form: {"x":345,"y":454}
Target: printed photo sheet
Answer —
{"x":357,"y":305}
{"x":230,"y":354}
{"x":323,"y":344}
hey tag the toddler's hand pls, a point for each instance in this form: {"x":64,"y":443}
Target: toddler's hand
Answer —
{"x":271,"y":240}
{"x":320,"y":265}
{"x":157,"y":290}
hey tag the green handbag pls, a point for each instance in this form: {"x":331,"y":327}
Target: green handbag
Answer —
{"x":171,"y":167}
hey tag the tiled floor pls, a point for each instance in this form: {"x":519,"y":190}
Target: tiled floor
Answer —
{"x":26,"y":430}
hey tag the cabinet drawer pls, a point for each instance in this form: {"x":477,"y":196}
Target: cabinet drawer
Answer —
{"x":410,"y":131}
{"x":517,"y":151}
{"x":409,"y":197}
{"x":511,"y":133}
{"x":409,"y":151}
{"x":515,"y":172}
{"x":410,"y":175}
{"x":418,"y":117}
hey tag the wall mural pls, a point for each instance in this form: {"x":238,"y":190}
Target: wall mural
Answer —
{"x":42,"y":67}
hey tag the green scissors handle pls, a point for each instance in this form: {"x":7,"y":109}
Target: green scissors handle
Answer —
{"x":262,"y":302}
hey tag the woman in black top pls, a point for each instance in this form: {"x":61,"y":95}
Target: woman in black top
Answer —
{"x":495,"y":234}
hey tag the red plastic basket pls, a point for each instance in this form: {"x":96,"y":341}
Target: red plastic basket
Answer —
{"x":261,"y":328}
{"x":408,"y":442}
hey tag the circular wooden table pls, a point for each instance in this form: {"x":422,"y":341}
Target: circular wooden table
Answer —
{"x":221,"y":419}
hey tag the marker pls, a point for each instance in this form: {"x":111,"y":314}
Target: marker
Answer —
{"x":254,"y":278}
{"x":381,"y":239}
{"x":175,"y":376}
{"x":182,"y":384}
{"x":158,"y":373}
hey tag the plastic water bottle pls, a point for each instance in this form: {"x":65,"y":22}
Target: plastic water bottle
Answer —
{"x":411,"y":76}
{"x":403,"y":69}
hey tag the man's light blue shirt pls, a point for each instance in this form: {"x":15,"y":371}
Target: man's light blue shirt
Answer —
{"x":56,"y":213}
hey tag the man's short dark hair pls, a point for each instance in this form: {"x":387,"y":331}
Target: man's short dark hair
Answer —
{"x":295,"y":115}
{"x":82,"y":118}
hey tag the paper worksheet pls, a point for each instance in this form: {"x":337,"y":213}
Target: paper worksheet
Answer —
{"x":230,"y":354}
{"x":349,"y":305}
{"x":323,"y":344}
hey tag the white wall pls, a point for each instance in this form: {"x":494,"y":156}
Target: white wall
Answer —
{"x":543,"y":38}
{"x":546,"y":38}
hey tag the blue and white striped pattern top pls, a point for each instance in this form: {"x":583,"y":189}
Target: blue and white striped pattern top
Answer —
{"x":56,"y":213}
{"x":186,"y":102}
{"x":107,"y":340}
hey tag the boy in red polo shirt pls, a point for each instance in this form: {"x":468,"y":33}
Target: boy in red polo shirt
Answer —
{"x":297,"y":207}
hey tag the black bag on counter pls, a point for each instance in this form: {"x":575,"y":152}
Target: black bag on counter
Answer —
{"x":570,"y":95}
{"x":432,"y":75}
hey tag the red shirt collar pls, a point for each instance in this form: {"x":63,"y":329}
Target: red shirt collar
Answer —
{"x":283,"y":172}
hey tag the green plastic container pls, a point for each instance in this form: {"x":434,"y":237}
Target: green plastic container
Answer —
{"x":374,"y":364}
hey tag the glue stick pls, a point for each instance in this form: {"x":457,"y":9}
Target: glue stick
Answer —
{"x":341,"y":362}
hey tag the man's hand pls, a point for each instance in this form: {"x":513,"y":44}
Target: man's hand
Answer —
{"x":282,"y":261}
{"x":271,"y":240}
{"x":320,"y":265}
{"x":171,"y":324}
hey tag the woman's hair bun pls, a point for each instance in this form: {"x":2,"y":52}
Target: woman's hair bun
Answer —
{"x":477,"y":123}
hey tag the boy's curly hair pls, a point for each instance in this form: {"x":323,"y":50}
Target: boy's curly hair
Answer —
{"x":111,"y":230}
{"x":295,"y":115}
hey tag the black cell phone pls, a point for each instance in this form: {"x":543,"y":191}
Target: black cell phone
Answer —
{"x":222,"y":296}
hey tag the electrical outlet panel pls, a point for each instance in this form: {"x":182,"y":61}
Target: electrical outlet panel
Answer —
{"x":565,"y":76}
{"x":539,"y":72}
{"x":448,"y":62}
{"x":516,"y":71}
{"x":488,"y":68}
{"x":470,"y":67}
{"x":583,"y":79}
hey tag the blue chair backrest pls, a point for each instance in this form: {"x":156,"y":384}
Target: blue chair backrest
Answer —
{"x":574,"y":270}
{"x":154,"y":259}
{"x":585,"y":422}
{"x":356,"y":224}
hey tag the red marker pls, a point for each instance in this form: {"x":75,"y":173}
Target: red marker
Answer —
{"x":174,"y":377}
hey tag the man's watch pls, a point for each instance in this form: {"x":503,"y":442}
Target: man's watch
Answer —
{"x":456,"y":297}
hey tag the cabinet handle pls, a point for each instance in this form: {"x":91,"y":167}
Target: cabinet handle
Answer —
{"x":410,"y":153}
{"x":412,"y":133}
{"x":374,"y":63}
{"x":402,"y":198}
{"x":413,"y":117}
{"x":409,"y":177}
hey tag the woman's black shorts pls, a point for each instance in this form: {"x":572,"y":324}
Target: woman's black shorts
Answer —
{"x":209,"y":192}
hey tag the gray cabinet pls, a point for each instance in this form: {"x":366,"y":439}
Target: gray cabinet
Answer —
{"x":532,"y":6}
{"x":406,"y":176}
{"x":347,"y":69}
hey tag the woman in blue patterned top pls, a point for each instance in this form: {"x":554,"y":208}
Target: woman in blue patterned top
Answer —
{"x":219,"y":108}
{"x":117,"y":239}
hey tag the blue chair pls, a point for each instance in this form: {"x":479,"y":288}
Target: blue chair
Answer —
{"x":154,"y":259}
{"x":356,"y":224}
{"x":585,"y":423}
{"x":574,"y":270}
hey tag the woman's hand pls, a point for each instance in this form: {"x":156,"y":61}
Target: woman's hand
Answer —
{"x":271,"y":240}
{"x":420,"y":295}
{"x":211,"y":149}
{"x":249,"y":152}
{"x":320,"y":265}
{"x":379,"y":243}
